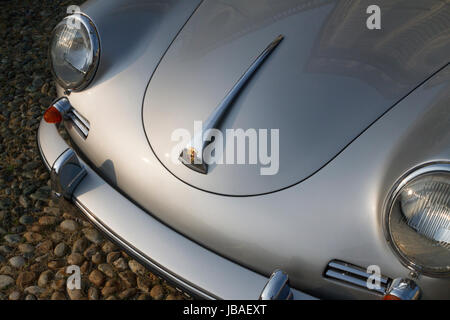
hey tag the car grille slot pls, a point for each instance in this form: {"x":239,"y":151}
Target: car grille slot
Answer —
{"x":353,"y":275}
{"x":80,"y":124}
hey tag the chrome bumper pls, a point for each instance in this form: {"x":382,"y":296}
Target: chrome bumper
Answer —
{"x":182,"y":262}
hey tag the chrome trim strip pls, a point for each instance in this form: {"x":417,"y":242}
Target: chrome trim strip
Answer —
{"x":354,"y":275}
{"x":349,"y":279}
{"x":194,"y":160}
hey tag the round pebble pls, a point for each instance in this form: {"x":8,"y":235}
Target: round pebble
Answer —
{"x":17,"y":262}
{"x":69,"y":226}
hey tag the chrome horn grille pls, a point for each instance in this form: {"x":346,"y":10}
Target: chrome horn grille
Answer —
{"x":355,"y":276}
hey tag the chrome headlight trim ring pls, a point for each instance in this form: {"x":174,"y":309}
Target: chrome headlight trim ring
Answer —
{"x":415,"y":173}
{"x":94,"y":40}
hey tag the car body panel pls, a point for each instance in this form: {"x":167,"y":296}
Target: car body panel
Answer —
{"x":166,"y":252}
{"x":334,"y":214}
{"x":327,"y":81}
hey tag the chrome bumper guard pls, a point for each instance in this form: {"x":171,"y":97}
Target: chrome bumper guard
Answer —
{"x":277,"y":288}
{"x":66,"y":174}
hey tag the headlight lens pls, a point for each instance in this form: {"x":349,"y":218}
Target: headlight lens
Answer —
{"x":418,"y":220}
{"x":74,"y":52}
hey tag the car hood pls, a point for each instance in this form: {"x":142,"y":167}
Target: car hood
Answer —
{"x":328,"y":80}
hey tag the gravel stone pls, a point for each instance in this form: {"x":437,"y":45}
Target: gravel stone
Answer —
{"x":58,"y":284}
{"x":128,"y":278}
{"x":47,"y":221}
{"x":52,"y":211}
{"x":107,"y":291}
{"x":55,"y":264}
{"x":5,"y":281}
{"x":144,"y":296}
{"x":112,"y":256}
{"x":157,"y":292}
{"x":34,"y":290}
{"x":45,"y":278}
{"x":24,"y":202}
{"x":45,"y":246}
{"x":42,"y":258}
{"x":79,"y":245}
{"x":7,"y":270}
{"x":5,"y":249}
{"x":26,"y":220}
{"x":15,"y":295}
{"x":85,"y":267}
{"x":32,"y":237}
{"x":89,"y":252}
{"x":12,"y":238}
{"x":107,"y":269}
{"x":97,"y":258}
{"x":120,"y":264}
{"x":97,"y":278}
{"x":69,"y":226}
{"x":57,"y":236}
{"x":126,"y":294}
{"x":58,"y":296}
{"x":75,"y":259}
{"x":93,"y":235}
{"x":42,"y":194}
{"x":93,"y":293}
{"x":26,"y":248}
{"x":60,"y":249}
{"x":109,"y":247}
{"x":5,"y":203}
{"x":17,"y":229}
{"x":136,"y":267}
{"x":17,"y":262}
{"x":173,"y":297}
{"x":25,"y":279}
{"x":75,"y":294}
{"x":143,"y":284}
{"x":112,"y":282}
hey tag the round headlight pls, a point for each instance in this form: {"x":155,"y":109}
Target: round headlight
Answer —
{"x":418,"y":220}
{"x":74,"y":52}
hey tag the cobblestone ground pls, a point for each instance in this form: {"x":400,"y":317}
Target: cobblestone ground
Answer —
{"x":38,"y":237}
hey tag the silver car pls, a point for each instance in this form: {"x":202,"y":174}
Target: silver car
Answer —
{"x":294,"y":149}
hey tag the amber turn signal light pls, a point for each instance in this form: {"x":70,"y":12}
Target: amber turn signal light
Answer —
{"x":403,"y":289}
{"x":55,"y":113}
{"x":52,"y":115}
